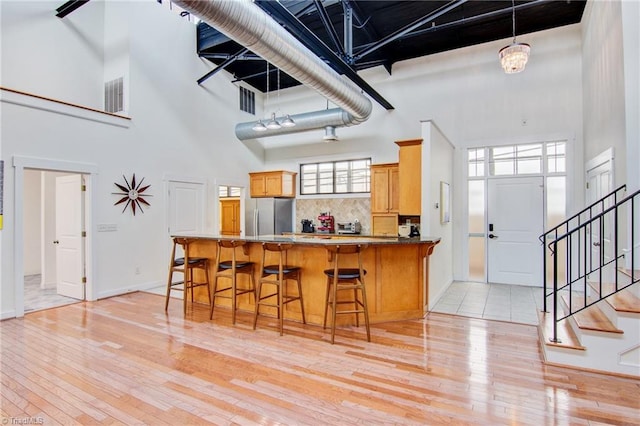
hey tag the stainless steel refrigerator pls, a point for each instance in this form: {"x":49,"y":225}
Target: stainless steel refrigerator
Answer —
{"x":269,"y":216}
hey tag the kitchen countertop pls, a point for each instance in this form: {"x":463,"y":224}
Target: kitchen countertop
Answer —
{"x":318,"y":239}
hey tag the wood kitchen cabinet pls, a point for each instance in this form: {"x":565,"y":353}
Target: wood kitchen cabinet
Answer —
{"x":410,"y":177}
{"x":384,"y":188}
{"x":384,"y":199}
{"x":278,"y":183}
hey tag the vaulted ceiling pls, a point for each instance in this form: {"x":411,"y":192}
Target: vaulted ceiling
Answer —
{"x":382,"y":33}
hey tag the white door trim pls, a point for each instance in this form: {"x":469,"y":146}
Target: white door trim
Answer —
{"x":604,"y":157}
{"x":20,"y":163}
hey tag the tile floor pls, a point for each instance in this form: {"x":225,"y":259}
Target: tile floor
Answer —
{"x":502,"y":302}
{"x":36,"y":299}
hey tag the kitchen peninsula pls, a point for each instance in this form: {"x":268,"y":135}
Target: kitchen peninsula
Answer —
{"x":396,"y":280}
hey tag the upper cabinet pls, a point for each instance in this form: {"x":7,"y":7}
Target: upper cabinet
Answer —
{"x":410,"y":176}
{"x":278,"y":183}
{"x":385,"y":195}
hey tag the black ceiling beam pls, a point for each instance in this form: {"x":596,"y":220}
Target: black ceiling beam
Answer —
{"x":369,"y":30}
{"x":225,"y":56}
{"x":505,"y":11}
{"x":222,"y":66}
{"x":326,"y":20}
{"x":257,"y":74}
{"x":412,"y":26}
{"x":69,"y":7}
{"x":311,"y":41}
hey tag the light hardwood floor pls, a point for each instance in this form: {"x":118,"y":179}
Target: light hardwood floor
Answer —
{"x":124,"y":361}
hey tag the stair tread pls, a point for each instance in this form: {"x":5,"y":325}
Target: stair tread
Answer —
{"x":623,"y":301}
{"x":567,"y":336}
{"x":591,"y":318}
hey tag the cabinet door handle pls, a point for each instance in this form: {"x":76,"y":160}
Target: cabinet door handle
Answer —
{"x":492,"y":236}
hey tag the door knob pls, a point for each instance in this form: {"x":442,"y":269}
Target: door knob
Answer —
{"x":492,"y":236}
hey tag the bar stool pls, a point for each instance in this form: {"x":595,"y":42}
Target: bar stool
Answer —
{"x":341,"y":279}
{"x":188,"y":282}
{"x":277,"y":275}
{"x":230,"y":269}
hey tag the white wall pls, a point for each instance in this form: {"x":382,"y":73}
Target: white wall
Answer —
{"x":177,"y":128}
{"x":438,"y":159}
{"x":604,"y":84}
{"x":32,"y":228}
{"x":631,"y":44}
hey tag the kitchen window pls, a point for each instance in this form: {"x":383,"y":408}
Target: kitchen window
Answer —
{"x":336,"y":177}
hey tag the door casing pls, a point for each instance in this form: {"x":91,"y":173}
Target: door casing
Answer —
{"x":20,"y":163}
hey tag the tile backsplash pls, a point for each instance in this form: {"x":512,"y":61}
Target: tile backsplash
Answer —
{"x":342,"y":209}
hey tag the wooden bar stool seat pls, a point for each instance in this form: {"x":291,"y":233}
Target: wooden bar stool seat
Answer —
{"x":230,"y":269}
{"x":277,"y":276}
{"x":188,"y":282}
{"x":346,"y":281}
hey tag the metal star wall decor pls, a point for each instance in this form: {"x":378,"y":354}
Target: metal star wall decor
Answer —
{"x":132,"y":194}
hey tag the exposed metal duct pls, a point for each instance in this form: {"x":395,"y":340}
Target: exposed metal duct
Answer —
{"x":335,"y":117}
{"x":250,"y":26}
{"x":330,"y":134}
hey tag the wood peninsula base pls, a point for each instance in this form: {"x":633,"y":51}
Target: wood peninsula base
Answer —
{"x":396,"y":279}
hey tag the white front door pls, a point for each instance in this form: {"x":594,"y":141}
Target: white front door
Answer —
{"x":599,"y":184}
{"x":69,"y":240}
{"x":515,"y":220}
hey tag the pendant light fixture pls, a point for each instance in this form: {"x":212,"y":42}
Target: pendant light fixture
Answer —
{"x":514,"y":57}
{"x":273,"y":123}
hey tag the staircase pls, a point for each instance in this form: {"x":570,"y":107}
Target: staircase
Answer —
{"x":591,"y":309}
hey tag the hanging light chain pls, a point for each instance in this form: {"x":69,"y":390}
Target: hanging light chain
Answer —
{"x":513,"y":18}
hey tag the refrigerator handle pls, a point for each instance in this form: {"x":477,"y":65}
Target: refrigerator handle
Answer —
{"x":255,"y":222}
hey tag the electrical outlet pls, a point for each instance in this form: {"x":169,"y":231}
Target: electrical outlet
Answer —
{"x":137,"y":270}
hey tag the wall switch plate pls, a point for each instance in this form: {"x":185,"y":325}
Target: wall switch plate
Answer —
{"x":107,"y":227}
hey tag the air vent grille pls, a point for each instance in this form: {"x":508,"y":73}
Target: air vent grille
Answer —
{"x":247,"y":101}
{"x":114,"y":95}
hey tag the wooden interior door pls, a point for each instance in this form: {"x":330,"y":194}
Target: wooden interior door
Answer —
{"x":230,"y":217}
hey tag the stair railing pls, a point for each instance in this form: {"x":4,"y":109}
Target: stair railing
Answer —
{"x":571,"y":222}
{"x":580,"y":263}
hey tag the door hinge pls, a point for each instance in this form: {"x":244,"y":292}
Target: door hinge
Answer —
{"x":83,"y":188}
{"x":587,"y":185}
{"x":84,"y":280}
{"x":84,"y":233}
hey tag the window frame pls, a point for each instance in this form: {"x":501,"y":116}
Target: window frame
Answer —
{"x":351,"y":175}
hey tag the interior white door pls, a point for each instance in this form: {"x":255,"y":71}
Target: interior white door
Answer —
{"x":599,"y":184}
{"x":515,"y":218}
{"x":186,"y":207}
{"x":69,"y":240}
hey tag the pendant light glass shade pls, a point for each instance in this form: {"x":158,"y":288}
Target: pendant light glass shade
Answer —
{"x":514,"y":57}
{"x":288,"y":121}
{"x":259,"y":126}
{"x":273,"y":124}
